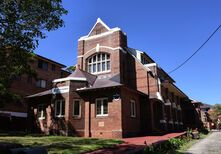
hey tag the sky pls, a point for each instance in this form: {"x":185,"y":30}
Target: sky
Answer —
{"x":169,"y":31}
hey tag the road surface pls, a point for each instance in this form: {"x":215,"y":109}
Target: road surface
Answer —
{"x":210,"y":145}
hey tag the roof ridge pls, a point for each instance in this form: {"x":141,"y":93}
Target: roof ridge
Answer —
{"x":86,"y":72}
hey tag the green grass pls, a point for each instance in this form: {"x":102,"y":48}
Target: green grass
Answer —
{"x":186,"y":146}
{"x":62,"y":144}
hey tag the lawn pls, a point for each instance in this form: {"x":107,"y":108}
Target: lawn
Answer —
{"x":62,"y":144}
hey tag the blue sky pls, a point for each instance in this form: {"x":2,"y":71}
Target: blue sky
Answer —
{"x":169,"y":31}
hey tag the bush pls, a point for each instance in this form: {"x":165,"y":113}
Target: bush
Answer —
{"x":204,"y":131}
{"x":167,"y":146}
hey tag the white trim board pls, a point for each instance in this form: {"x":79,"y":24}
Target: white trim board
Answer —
{"x":87,"y":37}
{"x":102,"y":23}
{"x":69,"y":78}
{"x":15,"y":114}
{"x":60,"y":90}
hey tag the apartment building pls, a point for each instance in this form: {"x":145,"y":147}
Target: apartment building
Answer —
{"x":14,"y":114}
{"x":115,"y":92}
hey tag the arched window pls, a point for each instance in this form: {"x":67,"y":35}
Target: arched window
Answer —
{"x":98,"y":63}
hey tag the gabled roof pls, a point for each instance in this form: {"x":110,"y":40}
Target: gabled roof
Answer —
{"x":174,"y":88}
{"x":78,"y":75}
{"x":206,"y":106}
{"x":135,"y":52}
{"x":49,"y":60}
{"x":47,"y":92}
{"x":93,"y":80}
{"x":196,"y":102}
{"x":97,"y":22}
{"x":108,"y":30}
{"x":90,"y":78}
{"x":101,"y":83}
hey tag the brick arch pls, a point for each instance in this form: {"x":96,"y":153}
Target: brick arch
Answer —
{"x":102,"y":49}
{"x":94,"y":52}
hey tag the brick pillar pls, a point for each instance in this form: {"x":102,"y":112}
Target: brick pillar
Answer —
{"x":67,"y":111}
{"x":49,"y":117}
{"x":171,"y":118}
{"x":152,"y":115}
{"x":87,"y":119}
{"x":80,"y":54}
{"x":181,"y":119}
{"x":177,"y":119}
{"x":164,"y":117}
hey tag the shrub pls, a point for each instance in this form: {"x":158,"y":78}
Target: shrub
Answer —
{"x":166,"y":147}
{"x":150,"y":149}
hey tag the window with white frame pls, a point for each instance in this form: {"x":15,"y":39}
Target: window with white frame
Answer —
{"x":132,"y":108}
{"x":77,"y":108}
{"x":98,"y":63}
{"x":59,"y":108}
{"x":41,"y":111}
{"x":102,"y":107}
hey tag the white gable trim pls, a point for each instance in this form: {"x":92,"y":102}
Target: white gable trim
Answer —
{"x":159,"y":96}
{"x":102,"y":23}
{"x":88,"y":37}
{"x":145,"y":68}
{"x":151,"y":64}
{"x":68,"y":79}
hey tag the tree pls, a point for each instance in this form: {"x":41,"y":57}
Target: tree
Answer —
{"x":71,"y":69}
{"x":22,"y":24}
{"x":217,"y":109}
{"x":215,"y":112}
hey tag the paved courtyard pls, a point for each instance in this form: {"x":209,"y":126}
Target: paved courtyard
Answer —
{"x":209,"y":145}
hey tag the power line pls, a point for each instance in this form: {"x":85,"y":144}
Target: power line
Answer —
{"x":195,"y":51}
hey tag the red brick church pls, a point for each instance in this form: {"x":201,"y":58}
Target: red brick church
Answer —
{"x":115,"y":92}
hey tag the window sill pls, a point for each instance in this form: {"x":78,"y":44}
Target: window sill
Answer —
{"x":41,"y":118}
{"x":60,"y":116}
{"x":102,"y":116}
{"x":104,"y":72}
{"x":76,"y":117}
{"x":133,"y":116}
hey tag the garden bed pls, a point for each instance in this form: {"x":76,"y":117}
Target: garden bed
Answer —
{"x":173,"y":146}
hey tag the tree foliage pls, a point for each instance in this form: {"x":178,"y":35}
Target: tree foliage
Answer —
{"x":71,"y":69}
{"x":215,"y":112}
{"x":22,"y":24}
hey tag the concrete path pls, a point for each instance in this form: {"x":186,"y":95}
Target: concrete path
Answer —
{"x":210,"y":145}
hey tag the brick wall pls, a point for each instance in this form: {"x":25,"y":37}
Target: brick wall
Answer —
{"x":24,"y":87}
{"x":110,"y":44}
{"x":103,"y":126}
{"x":131,"y":125}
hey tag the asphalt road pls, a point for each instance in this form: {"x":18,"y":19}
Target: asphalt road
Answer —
{"x":210,"y":145}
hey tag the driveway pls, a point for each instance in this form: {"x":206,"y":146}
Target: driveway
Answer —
{"x":210,"y":145}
